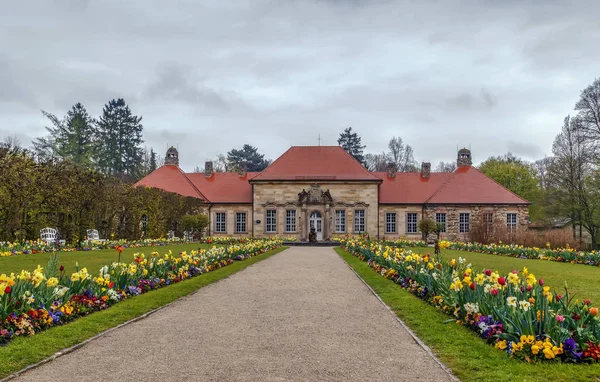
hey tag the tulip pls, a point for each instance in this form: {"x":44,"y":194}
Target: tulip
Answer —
{"x":529,"y":288}
{"x":472,"y":286}
{"x":502,"y":281}
{"x":488,"y":272}
{"x":559,"y":297}
{"x":494,"y":292}
{"x":62,"y":268}
{"x":7,"y":290}
{"x":593,"y":311}
{"x":560,"y":318}
{"x":541,"y":281}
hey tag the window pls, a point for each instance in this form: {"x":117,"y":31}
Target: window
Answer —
{"x":220,"y":222}
{"x":390,"y":222}
{"x":240,"y":222}
{"x":411,"y":222}
{"x":440,"y":218}
{"x":359,"y":221}
{"x":271,"y":221}
{"x":511,"y":222}
{"x":488,"y":220}
{"x":290,"y":221}
{"x":340,"y":221}
{"x":464,"y":222}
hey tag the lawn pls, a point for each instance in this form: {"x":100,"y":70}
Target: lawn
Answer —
{"x":583,"y":280}
{"x":23,"y":351}
{"x":93,"y":260}
{"x":469,"y":357}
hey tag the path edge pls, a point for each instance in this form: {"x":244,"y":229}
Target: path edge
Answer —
{"x":427,"y":349}
{"x":71,"y":349}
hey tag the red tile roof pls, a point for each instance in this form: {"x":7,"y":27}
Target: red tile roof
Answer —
{"x":171,"y":179}
{"x":468,"y":185}
{"x":409,"y":187}
{"x":315,"y":163}
{"x":224,"y":187}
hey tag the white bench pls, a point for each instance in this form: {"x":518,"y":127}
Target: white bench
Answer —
{"x":48,"y":235}
{"x":92,"y":234}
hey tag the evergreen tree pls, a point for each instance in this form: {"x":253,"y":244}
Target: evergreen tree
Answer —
{"x":72,"y":138}
{"x":247,"y":158}
{"x":351,"y":142}
{"x":152,"y":160}
{"x":120,"y":139}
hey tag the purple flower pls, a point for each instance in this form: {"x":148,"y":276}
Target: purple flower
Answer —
{"x":569,"y":346}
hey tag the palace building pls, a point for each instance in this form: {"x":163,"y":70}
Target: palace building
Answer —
{"x":323,"y":188}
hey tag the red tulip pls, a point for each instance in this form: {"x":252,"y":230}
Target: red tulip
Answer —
{"x":472,"y":286}
{"x":62,"y":268}
{"x":558,"y":297}
{"x":7,"y":290}
{"x":541,"y":282}
{"x":502,"y":281}
{"x":488,"y":272}
{"x":529,"y":288}
{"x":494,"y":292}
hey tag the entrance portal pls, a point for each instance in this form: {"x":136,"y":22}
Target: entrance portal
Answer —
{"x":316,"y":222}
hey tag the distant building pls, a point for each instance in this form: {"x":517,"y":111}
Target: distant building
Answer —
{"x":326,"y":189}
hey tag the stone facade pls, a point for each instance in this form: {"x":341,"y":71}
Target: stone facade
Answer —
{"x":283,"y":196}
{"x":401,"y":221}
{"x":231,"y":211}
{"x":476,"y":213}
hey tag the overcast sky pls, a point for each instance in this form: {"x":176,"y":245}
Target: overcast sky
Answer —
{"x":209,"y":76}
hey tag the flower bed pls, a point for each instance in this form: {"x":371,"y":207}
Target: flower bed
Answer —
{"x":30,"y":247}
{"x":238,"y":239}
{"x":563,"y":255}
{"x":33,"y":301}
{"x":515,"y":312}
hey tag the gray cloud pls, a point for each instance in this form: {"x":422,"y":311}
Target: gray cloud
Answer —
{"x":212,"y":75}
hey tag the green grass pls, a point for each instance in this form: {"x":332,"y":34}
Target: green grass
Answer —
{"x":469,"y":357}
{"x":93,"y":260}
{"x":23,"y":351}
{"x":583,"y":280}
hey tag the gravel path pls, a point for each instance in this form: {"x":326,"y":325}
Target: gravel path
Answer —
{"x":301,"y":315}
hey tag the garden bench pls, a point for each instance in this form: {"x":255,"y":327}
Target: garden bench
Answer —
{"x":49,"y":235}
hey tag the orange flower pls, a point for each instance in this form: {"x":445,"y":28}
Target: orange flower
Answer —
{"x":593,"y":311}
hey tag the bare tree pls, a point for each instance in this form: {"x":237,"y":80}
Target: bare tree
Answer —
{"x":542,"y":166}
{"x":11,"y":142}
{"x":445,"y":167}
{"x":402,"y":155}
{"x":572,"y":178}
{"x":588,"y":108}
{"x":376,"y":162}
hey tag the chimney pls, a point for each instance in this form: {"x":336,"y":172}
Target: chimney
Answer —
{"x":425,"y":170}
{"x":242,"y":171}
{"x":392,"y":169}
{"x":464,"y":158}
{"x":208,"y":169}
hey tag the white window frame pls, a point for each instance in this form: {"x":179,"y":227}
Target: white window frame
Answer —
{"x":412,"y":226}
{"x":359,"y":221}
{"x":440,"y":218}
{"x":391,"y":221}
{"x":511,"y":221}
{"x":271,"y":221}
{"x":218,"y":222}
{"x":488,"y":221}
{"x":340,"y":221}
{"x":290,"y":221}
{"x":241,"y":222}
{"x":464,"y":221}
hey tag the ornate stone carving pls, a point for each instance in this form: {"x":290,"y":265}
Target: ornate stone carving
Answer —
{"x":314,"y":196}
